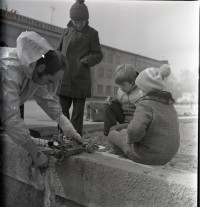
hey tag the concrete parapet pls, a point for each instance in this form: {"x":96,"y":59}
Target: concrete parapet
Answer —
{"x":95,"y":180}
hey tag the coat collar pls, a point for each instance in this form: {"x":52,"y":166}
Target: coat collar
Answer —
{"x":160,"y":96}
{"x":70,"y":24}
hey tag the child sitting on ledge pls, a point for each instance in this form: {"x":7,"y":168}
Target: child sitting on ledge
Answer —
{"x":152,"y":137}
{"x":119,"y":112}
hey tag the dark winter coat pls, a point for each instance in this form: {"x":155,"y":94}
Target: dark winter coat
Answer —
{"x":79,"y":45}
{"x":154,"y":130}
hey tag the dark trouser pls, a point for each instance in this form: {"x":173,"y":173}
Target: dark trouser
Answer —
{"x":77,"y":113}
{"x":22,"y":111}
{"x":112,"y":114}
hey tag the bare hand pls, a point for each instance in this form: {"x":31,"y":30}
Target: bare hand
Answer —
{"x":109,"y":100}
{"x":119,"y":127}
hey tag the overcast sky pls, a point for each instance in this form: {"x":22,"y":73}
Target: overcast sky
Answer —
{"x":157,"y":29}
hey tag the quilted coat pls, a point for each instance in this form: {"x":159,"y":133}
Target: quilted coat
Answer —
{"x":154,"y":130}
{"x":79,"y":45}
{"x":128,"y":100}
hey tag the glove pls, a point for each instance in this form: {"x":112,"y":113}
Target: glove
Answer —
{"x":40,"y":159}
{"x":68,"y":129}
{"x":78,"y":138}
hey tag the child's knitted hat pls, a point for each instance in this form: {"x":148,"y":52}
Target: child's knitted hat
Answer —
{"x":153,"y":79}
{"x":79,"y":11}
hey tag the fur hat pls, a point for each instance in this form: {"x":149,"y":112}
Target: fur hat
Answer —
{"x":79,"y":11}
{"x":153,"y":79}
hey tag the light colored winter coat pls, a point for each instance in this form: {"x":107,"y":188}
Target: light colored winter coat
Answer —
{"x":128,"y":100}
{"x":16,"y":69}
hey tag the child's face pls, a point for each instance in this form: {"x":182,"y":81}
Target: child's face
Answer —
{"x":79,"y":24}
{"x":126,"y":86}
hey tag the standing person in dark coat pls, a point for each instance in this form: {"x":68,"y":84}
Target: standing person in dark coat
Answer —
{"x":80,"y":44}
{"x":152,"y":137}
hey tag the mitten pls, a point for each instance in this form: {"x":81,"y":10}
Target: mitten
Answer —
{"x":67,"y":128}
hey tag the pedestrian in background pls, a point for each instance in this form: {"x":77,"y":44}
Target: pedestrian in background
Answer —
{"x":80,"y":44}
{"x":152,"y":137}
{"x":119,"y":112}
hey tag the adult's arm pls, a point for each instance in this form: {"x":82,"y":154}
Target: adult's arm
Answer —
{"x":53,"y":109}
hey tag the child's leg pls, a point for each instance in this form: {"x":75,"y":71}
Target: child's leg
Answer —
{"x":78,"y":114}
{"x":65,"y":103}
{"x":112,"y":114}
{"x":119,"y":141}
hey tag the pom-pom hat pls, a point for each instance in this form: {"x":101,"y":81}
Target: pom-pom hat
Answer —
{"x":153,"y":79}
{"x":79,"y":11}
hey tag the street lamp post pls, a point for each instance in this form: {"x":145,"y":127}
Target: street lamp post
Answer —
{"x":52,"y":10}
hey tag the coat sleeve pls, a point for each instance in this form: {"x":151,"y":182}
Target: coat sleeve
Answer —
{"x":96,"y":54}
{"x":59,"y":48}
{"x":48,"y":103}
{"x":52,"y":107}
{"x":138,"y":126}
{"x":13,"y":124}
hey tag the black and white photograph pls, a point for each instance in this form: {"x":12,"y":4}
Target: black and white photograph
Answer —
{"x":99,"y":103}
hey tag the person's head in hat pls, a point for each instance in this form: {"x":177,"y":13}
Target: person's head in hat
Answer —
{"x":47,"y":65}
{"x":153,"y":79}
{"x":79,"y":14}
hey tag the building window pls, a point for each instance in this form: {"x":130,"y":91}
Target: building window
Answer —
{"x":115,"y":90}
{"x":108,"y":90}
{"x":103,"y":56}
{"x":101,"y":72}
{"x":118,"y":59}
{"x":109,"y":74}
{"x":100,"y":89}
{"x":138,"y":65}
{"x":110,"y":58}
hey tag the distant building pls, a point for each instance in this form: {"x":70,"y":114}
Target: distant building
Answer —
{"x":103,"y":85}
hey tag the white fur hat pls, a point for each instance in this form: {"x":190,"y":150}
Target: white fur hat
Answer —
{"x":153,"y":79}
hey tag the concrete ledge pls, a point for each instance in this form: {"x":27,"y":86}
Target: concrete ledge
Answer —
{"x":188,"y":119}
{"x":49,"y":130}
{"x":99,"y":180}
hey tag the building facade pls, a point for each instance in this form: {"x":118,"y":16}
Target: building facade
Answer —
{"x":103,"y":85}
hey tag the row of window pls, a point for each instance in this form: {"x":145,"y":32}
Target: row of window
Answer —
{"x":108,"y":73}
{"x":101,"y":73}
{"x":109,"y":90}
{"x":111,"y":59}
